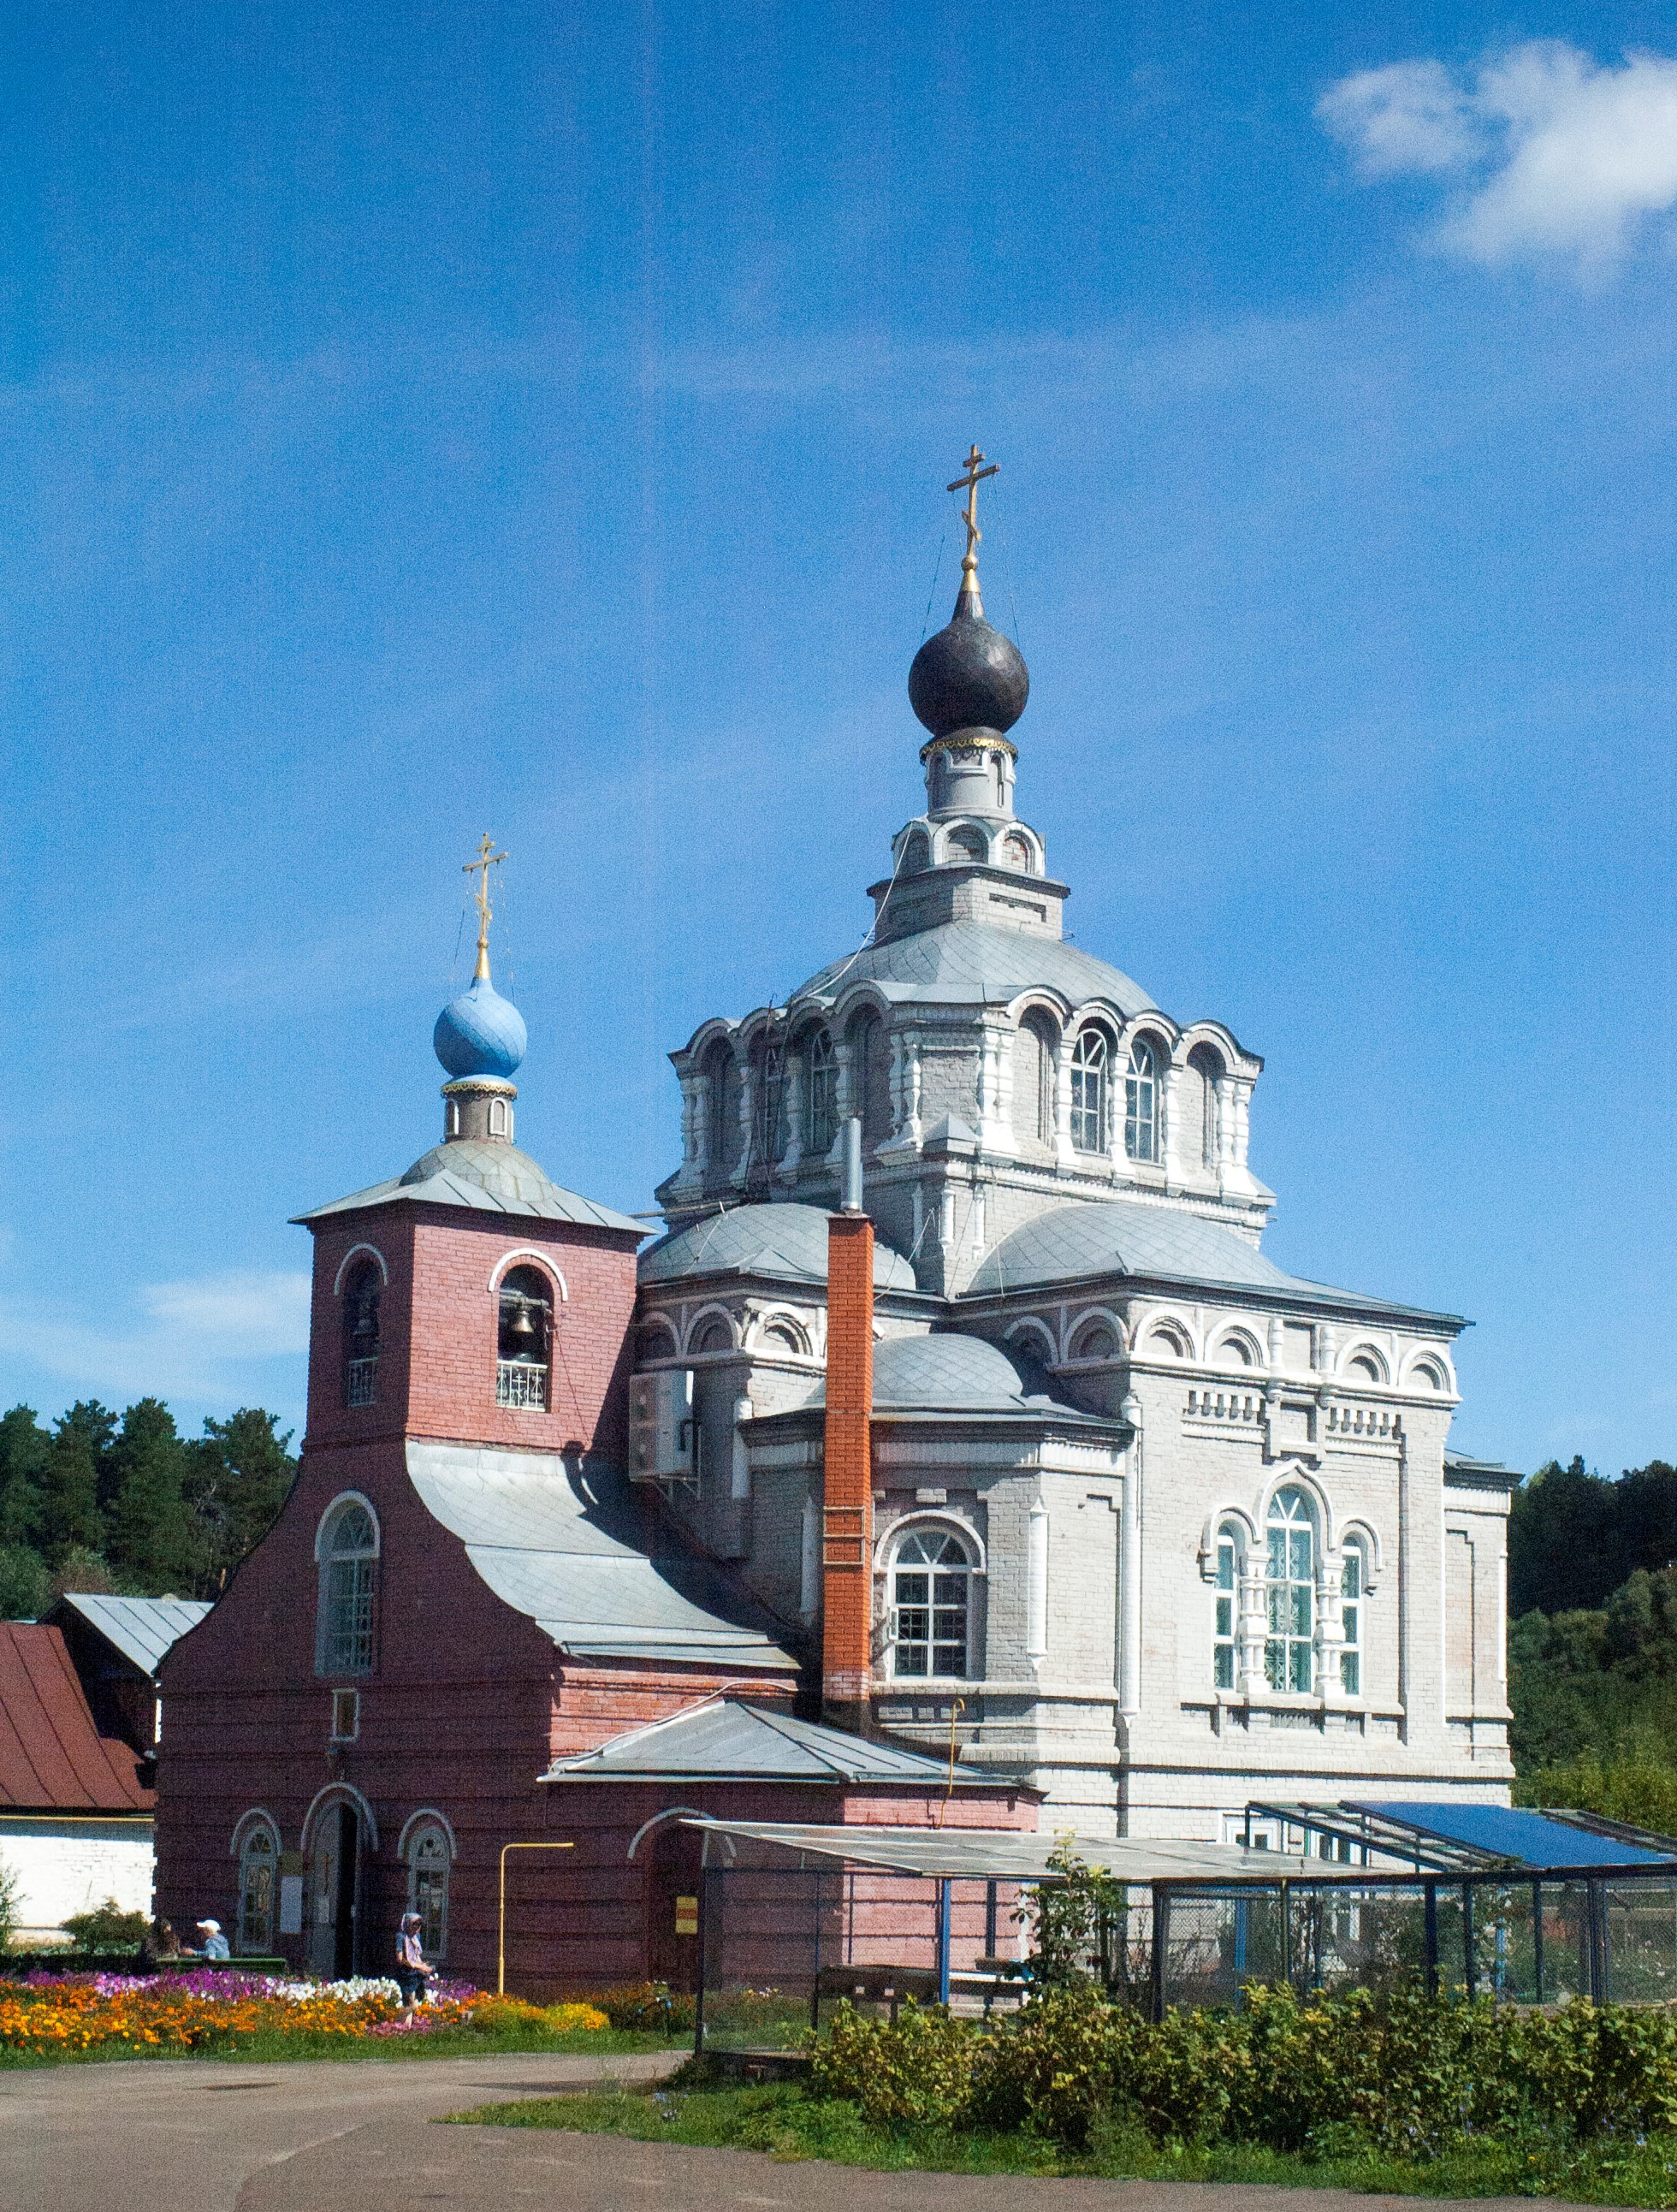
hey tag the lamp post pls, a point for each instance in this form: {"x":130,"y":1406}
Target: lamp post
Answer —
{"x":501,"y":1937}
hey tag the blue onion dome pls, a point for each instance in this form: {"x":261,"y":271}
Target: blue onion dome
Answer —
{"x":480,"y":1033}
{"x":969,"y":675}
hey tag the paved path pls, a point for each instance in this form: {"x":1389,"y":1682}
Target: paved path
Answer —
{"x":196,"y":2135}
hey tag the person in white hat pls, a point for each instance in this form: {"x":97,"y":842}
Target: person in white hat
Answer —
{"x":215,"y":1943}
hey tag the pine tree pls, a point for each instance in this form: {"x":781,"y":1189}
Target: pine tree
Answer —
{"x":24,"y":1445}
{"x":237,"y":1481}
{"x":149,"y":1534}
{"x":70,"y":1516}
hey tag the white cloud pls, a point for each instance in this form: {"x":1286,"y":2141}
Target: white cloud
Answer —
{"x":1556,"y":155}
{"x":202,"y":1340}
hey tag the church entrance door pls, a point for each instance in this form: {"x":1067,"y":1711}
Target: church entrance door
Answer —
{"x":334,"y":1883}
{"x":672,"y":1900}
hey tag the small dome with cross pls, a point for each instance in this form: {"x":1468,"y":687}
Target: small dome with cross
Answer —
{"x":480,"y":1033}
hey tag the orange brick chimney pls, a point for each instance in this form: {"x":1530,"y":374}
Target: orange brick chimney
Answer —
{"x":846,"y":1531}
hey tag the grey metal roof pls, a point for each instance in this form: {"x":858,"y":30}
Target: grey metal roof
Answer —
{"x":1122,"y":1237}
{"x":787,"y":1242}
{"x":967,"y":1853}
{"x":141,"y":1628}
{"x":564,"y":1551}
{"x":724,"y":1740}
{"x":964,"y":960}
{"x":949,"y":1373}
{"x":487,"y":1176}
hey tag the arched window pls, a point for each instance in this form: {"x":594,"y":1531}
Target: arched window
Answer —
{"x":781,"y":1337}
{"x":258,"y":1857}
{"x":1223,"y":1643}
{"x":1205,"y":1073}
{"x":1166,"y":1341}
{"x":362,"y":1290}
{"x":930,"y":1606}
{"x":1095,"y":1339}
{"x":820,"y":1095}
{"x":428,"y":1887}
{"x":712,"y":1335}
{"x":963,"y":845}
{"x":1089,"y":1073}
{"x":1034,"y":1045}
{"x":916,"y":853}
{"x":524,"y":1339}
{"x":1289,"y":1651}
{"x":1016,"y":853}
{"x":1141,"y":1103}
{"x":348,"y":1551}
{"x":1235,"y":1351}
{"x":1353,"y":1584}
{"x":654,"y":1340}
{"x":871,"y":1076}
{"x":1365,"y":1366}
{"x":501,"y":1118}
{"x":721,"y":1108}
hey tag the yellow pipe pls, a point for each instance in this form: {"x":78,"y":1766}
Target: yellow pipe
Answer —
{"x":501,"y":1939}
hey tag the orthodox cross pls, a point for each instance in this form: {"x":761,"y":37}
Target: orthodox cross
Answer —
{"x":970,"y":481}
{"x":487,"y":858}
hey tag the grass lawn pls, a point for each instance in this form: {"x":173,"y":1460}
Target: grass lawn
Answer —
{"x":445,"y":2043}
{"x":787,"y":2121}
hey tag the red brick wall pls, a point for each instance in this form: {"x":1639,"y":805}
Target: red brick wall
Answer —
{"x":438,"y":1321}
{"x":847,"y":1549}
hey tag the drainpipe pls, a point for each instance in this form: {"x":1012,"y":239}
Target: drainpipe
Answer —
{"x":846,"y":1534}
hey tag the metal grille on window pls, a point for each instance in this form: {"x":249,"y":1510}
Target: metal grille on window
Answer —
{"x":1351,"y":1623}
{"x":428,"y":1889}
{"x":256,"y":1892}
{"x":348,"y":1565}
{"x":1141,"y":1103}
{"x":1223,"y":1646}
{"x":362,"y":1294}
{"x":931,"y":1606}
{"x":525,"y":1335}
{"x":1289,"y":1650}
{"x":1089,"y":1092}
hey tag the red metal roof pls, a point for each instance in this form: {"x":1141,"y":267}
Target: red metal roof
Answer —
{"x":52,"y":1759}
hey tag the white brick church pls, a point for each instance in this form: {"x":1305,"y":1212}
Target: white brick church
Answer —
{"x":1161,"y":1529}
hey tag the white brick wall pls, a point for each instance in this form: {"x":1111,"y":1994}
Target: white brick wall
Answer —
{"x":71,"y":1866}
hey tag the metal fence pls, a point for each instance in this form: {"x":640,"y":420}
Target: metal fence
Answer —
{"x":781,"y":1945}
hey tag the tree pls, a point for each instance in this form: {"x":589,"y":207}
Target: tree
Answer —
{"x":23,"y":1447}
{"x":70,"y":1516}
{"x":237,"y":1479}
{"x":149,"y":1532}
{"x":26,"y":1587}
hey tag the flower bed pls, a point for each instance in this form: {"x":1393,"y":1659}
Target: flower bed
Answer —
{"x":65,"y":2015}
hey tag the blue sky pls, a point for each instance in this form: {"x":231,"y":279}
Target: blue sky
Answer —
{"x":417,"y":421}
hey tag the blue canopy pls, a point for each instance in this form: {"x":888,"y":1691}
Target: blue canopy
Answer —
{"x":1512,"y":1832}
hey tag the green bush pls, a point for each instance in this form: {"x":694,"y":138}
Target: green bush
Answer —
{"x":919,"y":2068}
{"x":1411,"y":2075}
{"x":648,"y":2007}
{"x":107,"y":1928}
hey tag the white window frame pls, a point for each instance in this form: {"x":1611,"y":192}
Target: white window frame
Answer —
{"x":1092,"y":1059}
{"x":1141,"y":1103}
{"x":1225,"y":1618}
{"x":1292,"y":1539}
{"x":1353,"y":1618}
{"x":915,"y":1533}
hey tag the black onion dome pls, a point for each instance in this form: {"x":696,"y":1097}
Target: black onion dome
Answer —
{"x":969,"y":675}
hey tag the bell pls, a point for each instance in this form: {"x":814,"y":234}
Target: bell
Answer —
{"x":522,"y":1324}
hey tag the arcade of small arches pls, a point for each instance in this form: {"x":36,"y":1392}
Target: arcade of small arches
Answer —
{"x":924,"y":845}
{"x":770,"y":1096}
{"x":1087,"y":1336}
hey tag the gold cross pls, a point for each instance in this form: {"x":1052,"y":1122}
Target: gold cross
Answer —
{"x":487,"y":858}
{"x":970,"y":481}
